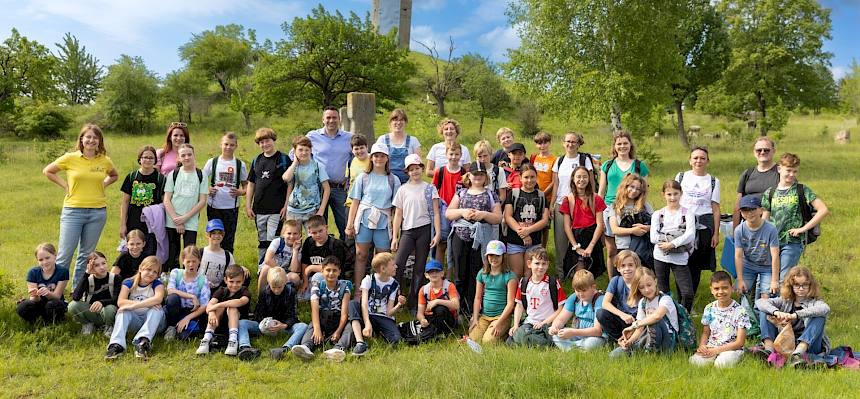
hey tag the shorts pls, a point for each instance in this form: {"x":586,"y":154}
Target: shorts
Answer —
{"x":380,"y":237}
{"x":513,"y":249}
{"x":267,"y":226}
{"x":607,"y":230}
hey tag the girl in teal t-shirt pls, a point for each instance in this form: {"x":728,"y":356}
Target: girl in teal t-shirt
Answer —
{"x":494,"y":297}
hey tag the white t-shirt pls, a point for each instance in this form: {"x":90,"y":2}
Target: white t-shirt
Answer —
{"x":213,"y":265}
{"x":414,"y":144}
{"x":410,"y":198}
{"x":652,"y":305}
{"x":285,"y":257}
{"x":671,"y":222}
{"x":377,"y":302}
{"x":539,"y":306}
{"x":438,"y":156}
{"x":697,"y":194}
{"x":564,"y":172}
{"x":225,"y":179}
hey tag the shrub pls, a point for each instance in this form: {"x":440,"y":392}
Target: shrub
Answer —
{"x":41,"y":120}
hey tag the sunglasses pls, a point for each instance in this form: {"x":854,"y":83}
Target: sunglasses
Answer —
{"x":762,"y":150}
{"x":178,"y":124}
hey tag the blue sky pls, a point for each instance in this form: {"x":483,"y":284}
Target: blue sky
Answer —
{"x":154,"y":29}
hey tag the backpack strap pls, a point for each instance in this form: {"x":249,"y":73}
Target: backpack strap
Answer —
{"x":637,"y":166}
{"x":582,"y":156}
{"x":679,"y":177}
{"x":428,"y":197}
{"x":91,"y":283}
{"x":553,"y":292}
{"x":524,"y":285}
{"x":284,"y":162}
{"x":609,"y":165}
{"x":802,"y":205}
{"x":391,"y":185}
{"x":744,"y":178}
{"x":559,"y":161}
{"x":214,"y":162}
{"x":111,"y":280}
{"x":437,"y":181}
{"x":281,"y":245}
{"x":713,"y":184}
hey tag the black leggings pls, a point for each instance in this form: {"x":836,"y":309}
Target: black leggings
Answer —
{"x":467,"y":262}
{"x":683,"y":281}
{"x":417,"y":240}
{"x":51,"y":310}
{"x":173,"y":236}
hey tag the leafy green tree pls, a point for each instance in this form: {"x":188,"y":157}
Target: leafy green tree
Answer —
{"x":26,"y":69}
{"x":849,"y":89}
{"x":325,"y":56}
{"x":484,"y":87}
{"x":130,"y":94}
{"x":222,"y":54}
{"x":78,"y":72}
{"x":185,"y":90}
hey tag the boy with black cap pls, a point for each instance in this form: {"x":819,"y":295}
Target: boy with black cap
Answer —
{"x":756,"y":250}
{"x":517,"y":154}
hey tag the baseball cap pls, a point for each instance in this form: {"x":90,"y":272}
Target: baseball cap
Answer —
{"x":516,"y":147}
{"x":214,"y":224}
{"x":432,"y":265}
{"x":379,"y":147}
{"x":495,"y":247}
{"x":750,"y":202}
{"x":412,"y":159}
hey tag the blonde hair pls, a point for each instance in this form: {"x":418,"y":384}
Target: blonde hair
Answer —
{"x":446,"y":121}
{"x":624,"y":254}
{"x":582,"y":280}
{"x":136,"y":234}
{"x":504,"y":130}
{"x":276,"y":276}
{"x":291,"y":223}
{"x":786,"y":291}
{"x":190,"y":250}
{"x":380,"y":260}
{"x":481,"y":146}
{"x":89,"y":127}
{"x":621,"y":194}
{"x":90,"y":259}
{"x":634,"y":295}
{"x":149,"y":263}
{"x":398,"y":113}
{"x":47,"y":247}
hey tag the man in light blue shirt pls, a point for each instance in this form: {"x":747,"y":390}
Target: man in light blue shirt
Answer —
{"x":331,"y":148}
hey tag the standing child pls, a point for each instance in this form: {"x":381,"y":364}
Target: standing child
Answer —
{"x":45,"y":286}
{"x":656,"y":317}
{"x":506,"y":137}
{"x":448,"y":180}
{"x":585,"y":332}
{"x":139,"y":310}
{"x":498,"y":179}
{"x":276,"y":313}
{"x":214,"y":260}
{"x":360,"y":160}
{"x":563,"y":172}
{"x":308,"y":189}
{"x":94,"y":299}
{"x":227,"y":306}
{"x":799,"y":304}
{"x":543,"y":162}
{"x":517,"y":156}
{"x":494,"y":297}
{"x":329,"y":312}
{"x":319,"y":246}
{"x":126,"y":264}
{"x":416,"y":217}
{"x":630,"y":218}
{"x":757,"y":250}
{"x":285,"y":252}
{"x":380,"y":300}
{"x":267,"y":192}
{"x":141,"y":188}
{"x":541,"y":298}
{"x":438,"y":301}
{"x":616,"y":314}
{"x":701,"y":196}
{"x":228,"y":177}
{"x":583,"y":225}
{"x":724,"y":327}
{"x":185,"y":195}
{"x":526,"y":213}
{"x":673,"y":231}
{"x":187,"y":295}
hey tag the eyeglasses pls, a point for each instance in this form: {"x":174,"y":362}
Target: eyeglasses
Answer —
{"x":801,"y":286}
{"x":152,"y":158}
{"x":762,"y":150}
{"x":178,"y":124}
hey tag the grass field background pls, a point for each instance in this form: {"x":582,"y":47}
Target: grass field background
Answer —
{"x":57,"y":362}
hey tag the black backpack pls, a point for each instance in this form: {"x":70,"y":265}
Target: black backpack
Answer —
{"x":238,"y":174}
{"x":807,"y":212}
{"x":199,"y":175}
{"x":413,"y":333}
{"x":583,"y":156}
{"x":553,"y":292}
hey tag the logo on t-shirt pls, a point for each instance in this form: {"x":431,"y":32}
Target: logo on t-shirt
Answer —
{"x":226,"y":178}
{"x":142,"y":193}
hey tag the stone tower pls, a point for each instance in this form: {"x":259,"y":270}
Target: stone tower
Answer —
{"x":397,"y":14}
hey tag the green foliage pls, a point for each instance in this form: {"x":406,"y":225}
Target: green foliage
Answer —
{"x":222,"y":54}
{"x":484,"y":87}
{"x":849,"y":90}
{"x":130,"y":94}
{"x":51,"y":150}
{"x":776,"y":118}
{"x":326,"y":56}
{"x":528,"y":116}
{"x":41,"y":120}
{"x":186,"y":91}
{"x":26,"y":69}
{"x":79,"y":75}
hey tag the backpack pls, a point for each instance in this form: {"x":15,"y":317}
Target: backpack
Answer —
{"x":583,"y":156}
{"x":441,"y":178}
{"x":673,"y":234}
{"x":685,"y":336}
{"x":199,"y":175}
{"x":637,"y":166}
{"x":413,"y":333}
{"x":515,"y":196}
{"x":365,"y":183}
{"x":283,"y":162}
{"x":395,"y":286}
{"x":553,"y":291}
{"x":238,"y":174}
{"x":91,"y":280}
{"x":160,"y":182}
{"x":227,"y":257}
{"x":341,"y":290}
{"x":806,"y":211}
{"x":444,"y":295}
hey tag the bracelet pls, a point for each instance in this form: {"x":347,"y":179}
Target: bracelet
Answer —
{"x":576,"y":246}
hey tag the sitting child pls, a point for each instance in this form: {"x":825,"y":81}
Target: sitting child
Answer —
{"x":438,"y":300}
{"x":214,"y":259}
{"x":329,"y":311}
{"x":380,"y":300}
{"x":615,"y":314}
{"x":316,"y":248}
{"x":126,"y":264}
{"x":656,"y":317}
{"x":94,"y":299}
{"x":45,"y":286}
{"x":494,"y":297}
{"x":285,"y":252}
{"x":724,"y":327}
{"x":229,"y":304}
{"x":585,"y":332}
{"x":139,"y":310}
{"x":276,"y":313}
{"x":187,"y":296}
{"x":539,"y":297}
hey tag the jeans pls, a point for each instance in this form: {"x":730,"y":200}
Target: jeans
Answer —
{"x":230,"y":218}
{"x":813,"y":333}
{"x":174,"y":312}
{"x":336,"y":202}
{"x":147,"y":324}
{"x":682,"y":278}
{"x":611,"y":324}
{"x":80,"y":228}
{"x":763,"y":276}
{"x":81,"y":313}
{"x":247,"y":328}
{"x":581,"y":343}
{"x":52,"y":311}
{"x":173,"y":236}
{"x":789,"y":255}
{"x":383,"y":325}
{"x":413,"y":240}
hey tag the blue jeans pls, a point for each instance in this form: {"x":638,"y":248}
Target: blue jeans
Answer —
{"x":146,"y":324}
{"x":336,"y":202}
{"x":813,"y":333}
{"x":789,"y":255}
{"x":251,"y":327}
{"x":763,"y":286}
{"x":80,"y":228}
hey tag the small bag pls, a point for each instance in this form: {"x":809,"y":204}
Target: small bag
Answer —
{"x":784,"y":342}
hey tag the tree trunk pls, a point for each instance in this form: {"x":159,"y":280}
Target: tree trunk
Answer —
{"x":682,"y":132}
{"x":440,"y":106}
{"x":247,"y":117}
{"x":763,"y":109}
{"x":615,"y":117}
{"x":481,"y":124}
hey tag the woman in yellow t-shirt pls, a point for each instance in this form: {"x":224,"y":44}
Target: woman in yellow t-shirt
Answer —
{"x":88,"y":171}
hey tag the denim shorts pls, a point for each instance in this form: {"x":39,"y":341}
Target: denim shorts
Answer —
{"x":380,"y":238}
{"x":607,"y":230}
{"x":513,"y":249}
{"x":763,"y":285}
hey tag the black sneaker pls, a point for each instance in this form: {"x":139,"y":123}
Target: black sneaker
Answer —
{"x":278,"y":353}
{"x":142,"y":348}
{"x":114,"y":351}
{"x":247,"y":353}
{"x":360,"y":349}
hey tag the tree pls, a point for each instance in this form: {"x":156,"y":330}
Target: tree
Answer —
{"x":26,"y":69}
{"x":849,"y":89}
{"x":243,"y":98}
{"x":130,"y":94}
{"x":326,"y":56}
{"x":222,"y":54}
{"x":777,"y":54}
{"x":483,"y":86}
{"x":185,"y":90}
{"x":595,"y":59}
{"x":446,"y":78}
{"x":78,"y":72}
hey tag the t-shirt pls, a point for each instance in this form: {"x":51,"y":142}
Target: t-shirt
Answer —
{"x":196,"y":287}
{"x":128,"y":264}
{"x":564,"y":171}
{"x":495,"y":292}
{"x":306,"y":196}
{"x":213,"y":265}
{"x":225,"y":179}
{"x":186,"y":192}
{"x":584,"y":312}
{"x":620,"y":291}
{"x":676,"y":222}
{"x":35,"y":276}
{"x":544,"y":165}
{"x":614,"y":175}
{"x":433,"y":294}
{"x":355,"y":168}
{"x":527,"y":211}
{"x":756,"y":244}
{"x":377,"y":194}
{"x":223,"y":295}
{"x":85,"y":178}
{"x":101,"y":290}
{"x":315,"y":255}
{"x":439,"y":157}
{"x":450,"y":182}
{"x":167,"y":161}
{"x":483,"y":202}
{"x":410,"y":198}
{"x":697,"y":194}
{"x":753,"y":182}
{"x":270,"y":191}
{"x":143,"y":191}
{"x":383,"y":292}
{"x":582,"y":216}
{"x":330,"y":299}
{"x":285,"y":256}
{"x":647,"y":307}
{"x":785,"y":212}
{"x":724,"y":322}
{"x":538,"y":304}
{"x":141,"y":293}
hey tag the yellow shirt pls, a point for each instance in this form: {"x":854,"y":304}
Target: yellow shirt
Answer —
{"x":544,"y":169}
{"x":355,"y":168}
{"x":85,"y":178}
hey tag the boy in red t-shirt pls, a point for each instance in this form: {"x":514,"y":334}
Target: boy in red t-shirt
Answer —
{"x":448,"y":179}
{"x":517,"y":155}
{"x":438,"y":300}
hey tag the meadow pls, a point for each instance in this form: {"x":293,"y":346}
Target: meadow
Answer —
{"x":56,"y":361}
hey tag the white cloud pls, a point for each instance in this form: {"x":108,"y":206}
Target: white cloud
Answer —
{"x":428,"y":5}
{"x":425,"y":34}
{"x":839,"y":71}
{"x":498,"y":40}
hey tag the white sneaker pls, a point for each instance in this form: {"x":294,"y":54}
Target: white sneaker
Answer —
{"x":232,"y":348}
{"x":87,"y":329}
{"x":203,"y":348}
{"x":170,"y":333}
{"x":302,"y":352}
{"x":335,"y":354}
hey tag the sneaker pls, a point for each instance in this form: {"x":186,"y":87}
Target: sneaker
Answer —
{"x":142,"y":348}
{"x":232,"y":348}
{"x":108,"y":331}
{"x":247,"y":353}
{"x":87,"y":329}
{"x":203,"y":349}
{"x":796,"y":361}
{"x":170,"y":333}
{"x":619,"y":352}
{"x":277,"y":353}
{"x":360,"y":349}
{"x":335,"y":354}
{"x":302,"y":352}
{"x":114,"y":351}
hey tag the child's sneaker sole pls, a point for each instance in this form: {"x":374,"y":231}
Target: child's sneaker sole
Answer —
{"x":335,"y":355}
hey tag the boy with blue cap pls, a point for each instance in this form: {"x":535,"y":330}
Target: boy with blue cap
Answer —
{"x":438,"y":300}
{"x":214,"y":259}
{"x":756,"y":250}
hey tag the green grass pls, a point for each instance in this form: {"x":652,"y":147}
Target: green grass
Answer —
{"x":38,"y":363}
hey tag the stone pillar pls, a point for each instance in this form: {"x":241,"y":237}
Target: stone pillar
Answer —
{"x":396,"y":14}
{"x":361,"y":111}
